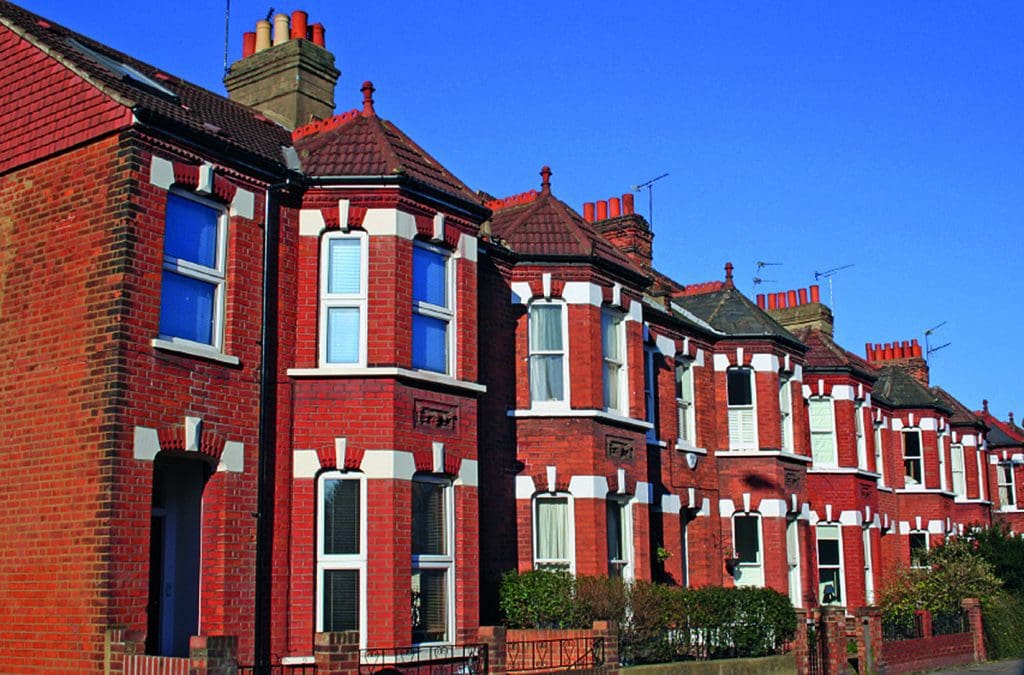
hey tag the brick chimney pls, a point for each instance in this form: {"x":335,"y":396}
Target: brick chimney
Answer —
{"x":906,"y":355}
{"x":627,"y":230}
{"x":801,"y":308}
{"x":290,"y":78}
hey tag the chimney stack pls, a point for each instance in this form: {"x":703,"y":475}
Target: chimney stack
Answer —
{"x":800,"y":308}
{"x":290,"y":76}
{"x":627,"y":231}
{"x":907,"y":355}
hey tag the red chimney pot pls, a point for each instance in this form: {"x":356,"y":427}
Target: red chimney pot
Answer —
{"x":815,"y":293}
{"x":803,"y":296}
{"x":614,"y":208}
{"x":588,"y":212}
{"x":869,"y":352}
{"x":318,"y":34}
{"x":781,"y":301}
{"x":627,"y":204}
{"x":248,"y":44}
{"x":760,"y":300}
{"x":299,"y":27}
{"x":602,"y":210}
{"x":791,"y":298}
{"x":772,"y":301}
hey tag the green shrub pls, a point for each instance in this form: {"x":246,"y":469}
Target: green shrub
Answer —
{"x":599,"y":599}
{"x":538,"y":599}
{"x":1003,"y":616}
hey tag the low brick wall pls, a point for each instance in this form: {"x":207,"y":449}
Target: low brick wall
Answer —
{"x":766,"y":665}
{"x":939,"y":651}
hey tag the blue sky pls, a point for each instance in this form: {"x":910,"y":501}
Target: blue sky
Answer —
{"x":884,"y":135}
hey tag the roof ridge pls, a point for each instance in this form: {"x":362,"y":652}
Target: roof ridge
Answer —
{"x":702,"y":287}
{"x":513,"y":200}
{"x":321,"y":126}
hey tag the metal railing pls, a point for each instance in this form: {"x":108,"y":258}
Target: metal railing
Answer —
{"x":562,"y":654}
{"x":949,"y":623}
{"x":902,"y":628}
{"x":465,"y":659}
{"x":280,"y":669}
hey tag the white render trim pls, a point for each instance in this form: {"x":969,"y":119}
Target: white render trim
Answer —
{"x":388,"y":464}
{"x":521,"y":292}
{"x":764,"y":363}
{"x":726,"y":507}
{"x":161,"y":172}
{"x":194,"y":349}
{"x":193,"y":431}
{"x":437,"y":457}
{"x":389,"y":223}
{"x":204,"y":186}
{"x":937,"y":527}
{"x":146,"y":444}
{"x":403,"y":373}
{"x":969,"y":440}
{"x":582,"y":293}
{"x":904,"y":527}
{"x":340,"y":451}
{"x":671,"y":504}
{"x":525,"y":487}
{"x":617,"y":294}
{"x":698,"y":360}
{"x":666,"y":346}
{"x":772,"y":508}
{"x":297,"y":660}
{"x":243,"y":204}
{"x":620,"y":481}
{"x":468,"y":249}
{"x":721,"y":362}
{"x":686,"y":446}
{"x":798,"y":373}
{"x":588,"y":487}
{"x":851,"y":518}
{"x":343,"y":210}
{"x":763,"y":453}
{"x":552,"y":476}
{"x":439,"y":226}
{"x":928,"y":424}
{"x":705,"y":507}
{"x":581,"y":412}
{"x":896,"y":424}
{"x":806,"y":391}
{"x":644,"y":493}
{"x":843,"y":392}
{"x":635,"y":313}
{"x":305,"y":464}
{"x":469,"y":474}
{"x":311,"y":223}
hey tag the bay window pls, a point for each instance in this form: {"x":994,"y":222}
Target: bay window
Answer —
{"x":823,"y":433}
{"x":432,"y":560}
{"x":548,"y":365}
{"x":432,"y":308}
{"x":343,"y":299}
{"x":341,"y":553}
{"x":742,"y":420}
{"x":613,"y":352}
{"x":913,"y":462}
{"x":192,"y":285}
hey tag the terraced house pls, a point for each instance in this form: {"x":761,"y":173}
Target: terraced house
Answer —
{"x":303,"y":379}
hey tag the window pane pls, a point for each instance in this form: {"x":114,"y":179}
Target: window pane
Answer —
{"x":344,"y":271}
{"x":428,"y":519}
{"x":186,"y":308}
{"x":829,"y":586}
{"x":341,"y":517}
{"x":429,"y":343}
{"x":746,"y":539}
{"x":911,"y":444}
{"x":429,"y":605}
{"x":616,"y":541}
{"x":823,"y":449}
{"x":610,"y":337}
{"x":552,"y":529}
{"x":739,"y":387}
{"x":341,"y":600}
{"x":546,"y":328}
{"x":342,"y":334}
{"x":819,"y":413}
{"x":611,"y":386}
{"x":191,"y":231}
{"x":428,"y":276}
{"x":828,"y":546}
{"x":546,"y":378}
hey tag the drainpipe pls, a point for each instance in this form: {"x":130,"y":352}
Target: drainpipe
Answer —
{"x":267,"y":443}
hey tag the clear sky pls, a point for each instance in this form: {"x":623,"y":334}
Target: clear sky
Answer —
{"x":887,"y":136}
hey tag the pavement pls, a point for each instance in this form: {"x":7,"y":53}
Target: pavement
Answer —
{"x":1009,"y":667}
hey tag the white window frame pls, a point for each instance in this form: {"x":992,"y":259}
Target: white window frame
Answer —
{"x":833,"y":527}
{"x":829,"y":433}
{"x":624,"y":565}
{"x":216,"y":275}
{"x":910,"y":542}
{"x":563,"y":402}
{"x":686,"y":404}
{"x":684,"y":526}
{"x":941,"y":445}
{"x":879,"y":455}
{"x":786,"y":413}
{"x":608,"y":364}
{"x":1006,"y":486}
{"x":444,"y":561}
{"x":859,"y":431}
{"x":651,"y":391}
{"x":869,"y":567}
{"x":567,"y":564}
{"x":354,"y":562}
{"x":740,"y":413}
{"x":755,"y":568}
{"x":793,"y":562}
{"x":330,"y":301}
{"x":919,"y":459}
{"x":447,"y":313}
{"x":957,"y":456}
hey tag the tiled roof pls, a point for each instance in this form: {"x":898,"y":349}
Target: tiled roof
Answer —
{"x":823,"y":353}
{"x":1000,"y":434}
{"x":962,"y":415}
{"x":899,"y":389}
{"x":547,"y":226}
{"x":183,"y":107}
{"x":363,"y":144}
{"x":729,"y":311}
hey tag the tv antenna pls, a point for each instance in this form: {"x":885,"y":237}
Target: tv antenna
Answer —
{"x":759,"y":280}
{"x":828,"y":274}
{"x":650,"y":196}
{"x":227,"y":32}
{"x":762,"y":264}
{"x":928,"y":349}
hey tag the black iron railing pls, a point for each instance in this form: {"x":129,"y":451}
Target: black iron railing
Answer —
{"x":899,"y":628}
{"x":949,"y":623}
{"x":423,"y":660}
{"x":280,"y":669}
{"x":579,"y":653}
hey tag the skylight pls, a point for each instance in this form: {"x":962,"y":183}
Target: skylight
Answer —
{"x":125,"y":71}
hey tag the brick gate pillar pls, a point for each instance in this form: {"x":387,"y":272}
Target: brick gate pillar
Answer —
{"x":833,"y":623}
{"x":973,"y":608}
{"x":494,"y":637}
{"x":213,"y":655}
{"x":337,"y":653}
{"x":869,"y":640}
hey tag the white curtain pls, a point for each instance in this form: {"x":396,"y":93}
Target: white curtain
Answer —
{"x":552,"y":529}
{"x":546,"y":353}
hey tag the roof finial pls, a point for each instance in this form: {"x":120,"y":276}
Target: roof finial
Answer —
{"x":984,"y":405}
{"x":728,"y":274}
{"x":545,"y":183}
{"x":1011,"y":418}
{"x":368,"y":90}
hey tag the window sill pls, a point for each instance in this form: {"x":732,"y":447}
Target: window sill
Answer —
{"x":584,"y":412}
{"x":297,"y":660}
{"x":685,"y":446}
{"x":843,"y":470}
{"x":402,"y":373}
{"x":972,"y":500}
{"x":194,"y":349}
{"x":655,"y":443}
{"x":763,"y":453}
{"x":924,"y":491}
